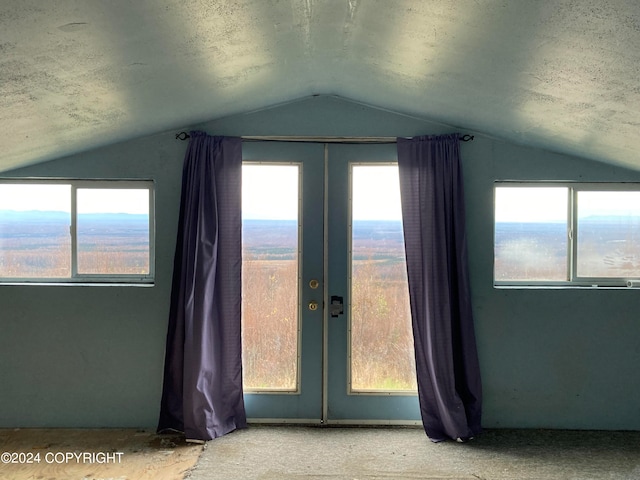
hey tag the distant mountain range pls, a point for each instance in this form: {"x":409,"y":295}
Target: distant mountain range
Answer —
{"x":589,"y":219}
{"x":34,"y":226}
{"x":33,"y":215}
{"x":39,"y":216}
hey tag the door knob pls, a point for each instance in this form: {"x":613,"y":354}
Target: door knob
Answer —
{"x":313,"y":305}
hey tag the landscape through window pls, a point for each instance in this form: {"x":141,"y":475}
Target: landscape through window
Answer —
{"x":531,"y":233}
{"x":582,"y":234}
{"x":608,"y":234}
{"x":270,"y":259}
{"x":381,"y":340}
{"x":57,"y":231}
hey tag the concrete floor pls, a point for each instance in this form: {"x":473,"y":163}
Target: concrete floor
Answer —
{"x":284,"y":453}
{"x":116,"y":454}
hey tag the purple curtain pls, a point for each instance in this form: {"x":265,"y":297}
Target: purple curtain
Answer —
{"x":202,"y":392}
{"x":433,"y":215}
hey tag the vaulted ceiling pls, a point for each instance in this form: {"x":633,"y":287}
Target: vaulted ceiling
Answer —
{"x":563,"y":75}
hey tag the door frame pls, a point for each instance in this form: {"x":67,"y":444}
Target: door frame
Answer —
{"x":274,"y":152}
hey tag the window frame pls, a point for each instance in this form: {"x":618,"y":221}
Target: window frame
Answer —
{"x":75,"y":277}
{"x":572,"y":278}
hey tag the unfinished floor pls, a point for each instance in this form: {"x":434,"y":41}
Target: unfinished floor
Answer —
{"x":94,"y":454}
{"x":308,"y":453}
{"x":287,"y":453}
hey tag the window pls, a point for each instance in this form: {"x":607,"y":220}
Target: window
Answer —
{"x":60,"y":231}
{"x":566,"y":234}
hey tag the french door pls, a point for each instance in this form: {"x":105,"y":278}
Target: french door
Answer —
{"x":326,"y":325}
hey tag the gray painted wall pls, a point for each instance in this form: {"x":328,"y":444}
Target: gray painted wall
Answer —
{"x":73,"y":356}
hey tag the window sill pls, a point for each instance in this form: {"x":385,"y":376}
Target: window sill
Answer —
{"x":564,"y":287}
{"x":77,"y":284}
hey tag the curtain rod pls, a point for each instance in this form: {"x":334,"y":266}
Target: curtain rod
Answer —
{"x":308,"y":139}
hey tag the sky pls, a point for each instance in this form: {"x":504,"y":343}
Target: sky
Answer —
{"x":550,"y":204}
{"x":271,"y":192}
{"x":539,"y":204}
{"x":376,"y":193}
{"x":609,"y":203}
{"x":57,"y":197}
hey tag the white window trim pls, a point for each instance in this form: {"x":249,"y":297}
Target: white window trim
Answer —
{"x":573,"y":280}
{"x":82,"y":278}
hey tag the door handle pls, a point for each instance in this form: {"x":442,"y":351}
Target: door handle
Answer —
{"x":337,"y":306}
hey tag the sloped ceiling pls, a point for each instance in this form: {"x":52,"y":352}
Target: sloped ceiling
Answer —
{"x":557,"y":74}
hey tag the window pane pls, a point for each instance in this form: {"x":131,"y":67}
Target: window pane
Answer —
{"x":34,"y":231}
{"x":608,"y":234}
{"x":113,"y":231}
{"x":270,"y":277}
{"x":382,"y":355}
{"x":530,"y":233}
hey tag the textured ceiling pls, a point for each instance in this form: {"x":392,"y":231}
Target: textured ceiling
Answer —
{"x":557,"y":74}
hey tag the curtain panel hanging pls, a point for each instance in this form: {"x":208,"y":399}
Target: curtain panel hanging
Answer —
{"x":433,"y":215}
{"x":202,"y":390}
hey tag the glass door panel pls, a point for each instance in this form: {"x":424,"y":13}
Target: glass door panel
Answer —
{"x":380,"y":336}
{"x":270,"y":280}
{"x":371,"y":366}
{"x":282,"y":235}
